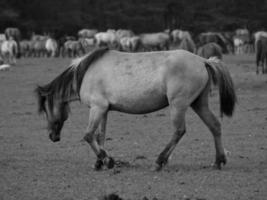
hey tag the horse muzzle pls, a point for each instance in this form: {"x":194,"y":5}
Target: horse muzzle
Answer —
{"x":54,"y":137}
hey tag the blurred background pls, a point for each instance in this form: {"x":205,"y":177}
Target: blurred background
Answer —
{"x":68,"y":16}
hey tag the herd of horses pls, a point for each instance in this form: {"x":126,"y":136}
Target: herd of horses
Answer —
{"x":207,"y":44}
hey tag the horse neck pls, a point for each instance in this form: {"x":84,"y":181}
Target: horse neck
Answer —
{"x":65,"y":100}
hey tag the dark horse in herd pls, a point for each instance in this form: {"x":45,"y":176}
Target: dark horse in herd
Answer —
{"x":138,"y":83}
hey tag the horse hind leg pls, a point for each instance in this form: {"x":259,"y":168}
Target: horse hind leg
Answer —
{"x":200,"y":106}
{"x":177,"y":112}
{"x":97,"y":114}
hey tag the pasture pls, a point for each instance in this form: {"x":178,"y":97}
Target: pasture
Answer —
{"x":32,"y":167}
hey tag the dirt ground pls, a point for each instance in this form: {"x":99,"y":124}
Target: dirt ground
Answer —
{"x":32,"y":167}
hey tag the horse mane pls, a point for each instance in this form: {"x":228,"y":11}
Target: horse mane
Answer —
{"x":81,"y":65}
{"x":68,"y":83}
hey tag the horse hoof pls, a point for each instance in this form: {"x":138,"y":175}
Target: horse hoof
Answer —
{"x":157,"y":168}
{"x":98,"y":165}
{"x":219,"y":161}
{"x":109,"y":162}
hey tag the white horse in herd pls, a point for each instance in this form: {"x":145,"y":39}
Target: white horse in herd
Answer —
{"x":51,"y":47}
{"x":9,"y":50}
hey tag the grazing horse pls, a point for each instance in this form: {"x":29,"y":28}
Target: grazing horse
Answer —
{"x":9,"y":50}
{"x":210,"y":50}
{"x":261,"y":54}
{"x":138,"y":83}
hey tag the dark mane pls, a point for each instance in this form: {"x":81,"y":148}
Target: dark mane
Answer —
{"x":68,"y":83}
{"x":85,"y":63}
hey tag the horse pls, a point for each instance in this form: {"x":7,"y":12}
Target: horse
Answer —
{"x":108,"y":39}
{"x":242,"y":31}
{"x":121,"y":33}
{"x":73,"y":48}
{"x":61,"y":43}
{"x":239,"y":45}
{"x":210,"y":50}
{"x":87,"y":43}
{"x":2,"y":37}
{"x":9,"y":51}
{"x":13,"y":32}
{"x":51,"y":47}
{"x":218,"y":38}
{"x":261,"y":54}
{"x":130,"y":44}
{"x":187,"y":44}
{"x":137,"y":83}
{"x":257,"y":35}
{"x":178,"y":35}
{"x":37,"y":37}
{"x":38,"y":47}
{"x":25,"y":47}
{"x":242,"y":42}
{"x":87,"y":33}
{"x":155,"y":41}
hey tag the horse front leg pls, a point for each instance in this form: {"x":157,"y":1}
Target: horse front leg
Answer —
{"x":101,"y":131}
{"x":97,"y":115}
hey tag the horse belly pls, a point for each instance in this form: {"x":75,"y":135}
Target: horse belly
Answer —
{"x":137,"y":95}
{"x":139,"y":104}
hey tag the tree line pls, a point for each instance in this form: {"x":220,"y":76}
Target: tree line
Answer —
{"x":68,"y":16}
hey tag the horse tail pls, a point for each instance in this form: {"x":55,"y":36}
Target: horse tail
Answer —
{"x":220,"y":76}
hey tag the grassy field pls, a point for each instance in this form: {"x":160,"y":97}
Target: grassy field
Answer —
{"x":32,"y":167}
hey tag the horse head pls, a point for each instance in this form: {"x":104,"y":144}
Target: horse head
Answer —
{"x":56,"y":112}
